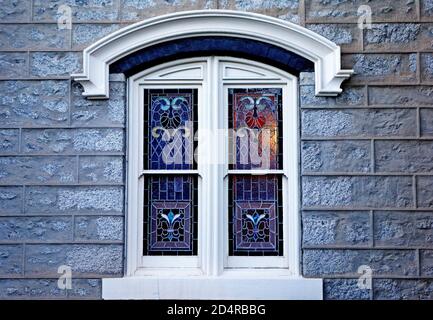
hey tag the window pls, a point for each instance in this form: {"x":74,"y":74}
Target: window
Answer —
{"x":212,"y":169}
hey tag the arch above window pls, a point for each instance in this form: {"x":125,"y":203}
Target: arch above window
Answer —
{"x":324,"y":54}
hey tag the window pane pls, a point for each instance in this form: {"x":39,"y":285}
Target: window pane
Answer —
{"x":170,"y":120}
{"x":170,"y":215}
{"x":255,"y":116}
{"x":255,"y":216}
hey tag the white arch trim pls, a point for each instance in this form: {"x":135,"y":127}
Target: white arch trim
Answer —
{"x":322,"y":52}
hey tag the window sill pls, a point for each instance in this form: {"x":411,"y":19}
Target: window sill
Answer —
{"x":225,"y":287}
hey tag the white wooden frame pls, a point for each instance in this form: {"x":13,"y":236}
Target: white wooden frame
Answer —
{"x":322,"y":52}
{"x":213,"y":275}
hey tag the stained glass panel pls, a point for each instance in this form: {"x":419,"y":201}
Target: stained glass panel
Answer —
{"x":255,"y":116}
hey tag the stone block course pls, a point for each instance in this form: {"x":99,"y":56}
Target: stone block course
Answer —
{"x":350,"y":97}
{"x":407,"y":289}
{"x":9,"y":141}
{"x":13,"y":64}
{"x":11,"y":260}
{"x":15,"y":11}
{"x":11,"y":200}
{"x":101,"y":170}
{"x":54,"y":64}
{"x":101,"y":228}
{"x":347,"y":36}
{"x":407,"y":96}
{"x":344,"y":289}
{"x":18,"y":289}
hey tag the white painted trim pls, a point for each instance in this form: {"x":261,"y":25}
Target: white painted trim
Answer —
{"x":322,"y":52}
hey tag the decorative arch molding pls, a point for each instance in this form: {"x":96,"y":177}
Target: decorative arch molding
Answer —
{"x":325,"y":54}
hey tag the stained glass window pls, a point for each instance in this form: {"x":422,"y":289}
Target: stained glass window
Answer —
{"x":170,"y":200}
{"x":255,"y":201}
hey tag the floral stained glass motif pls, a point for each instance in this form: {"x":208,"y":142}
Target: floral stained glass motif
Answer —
{"x":170,"y":200}
{"x":255,"y":201}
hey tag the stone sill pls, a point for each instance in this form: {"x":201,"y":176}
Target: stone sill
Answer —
{"x":212,"y":288}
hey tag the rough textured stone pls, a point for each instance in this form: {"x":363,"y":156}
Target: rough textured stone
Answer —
{"x":11,"y":200}
{"x":74,"y":199}
{"x":358,"y":191}
{"x":34,"y":102}
{"x":15,"y":11}
{"x":99,"y":228}
{"x":425,"y":192}
{"x":13,"y":64}
{"x":84,"y":35}
{"x":348,"y":36}
{"x":48,"y":64}
{"x":101,"y":169}
{"x":351,"y":96}
{"x":11,"y":260}
{"x":42,"y":170}
{"x":9,"y":141}
{"x":382,"y":68}
{"x":359,"y":123}
{"x":427,"y":10}
{"x":346,"y":262}
{"x":401,"y":96}
{"x":344,"y":289}
{"x":426,"y":260}
{"x":72,"y":141}
{"x":398,"y":37}
{"x":336,"y":228}
{"x":33,"y":37}
{"x":44,"y":260}
{"x":347,"y":11}
{"x":427,"y":67}
{"x":426,"y":122}
{"x":406,"y":289}
{"x":133,"y":10}
{"x":94,"y":10}
{"x":85,"y":289}
{"x":335,"y":156}
{"x":404,"y":156}
{"x":85,"y":112}
{"x":35,"y":228}
{"x":30,"y":288}
{"x":403,"y":228}
{"x":282,"y":9}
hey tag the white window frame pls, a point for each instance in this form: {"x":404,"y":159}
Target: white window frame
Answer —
{"x":188,"y":277}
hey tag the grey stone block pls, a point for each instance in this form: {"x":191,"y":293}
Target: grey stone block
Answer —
{"x":92,"y":260}
{"x":336,"y":228}
{"x":99,"y":228}
{"x":34,"y":103}
{"x":74,"y":199}
{"x":85,"y":289}
{"x":48,"y":64}
{"x":381,"y":68}
{"x":35,"y":228}
{"x":101,"y":169}
{"x":403,"y":228}
{"x":344,"y":289}
{"x":347,"y":11}
{"x":404,"y":156}
{"x":351,"y":96}
{"x":407,"y":96}
{"x":426,"y":261}
{"x":84,"y":35}
{"x":335,"y":156}
{"x":426,"y":67}
{"x":358,"y":191}
{"x":15,"y":11}
{"x":403,"y":289}
{"x":9,"y":141}
{"x":134,"y":10}
{"x":359,"y":123}
{"x":426,"y":122}
{"x":96,"y":10}
{"x":427,"y":10}
{"x":85,"y":112}
{"x":11,"y":200}
{"x":72,"y":141}
{"x":33,"y":37}
{"x":14,"y":170}
{"x":13,"y":64}
{"x":11,"y":260}
{"x":347,"y":36}
{"x":346,"y":262}
{"x":30,"y":288}
{"x":425,"y":192}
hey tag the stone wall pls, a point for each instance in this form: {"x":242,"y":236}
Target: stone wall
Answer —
{"x":366,"y":156}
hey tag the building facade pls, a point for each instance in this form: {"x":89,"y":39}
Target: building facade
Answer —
{"x":364,"y":158}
